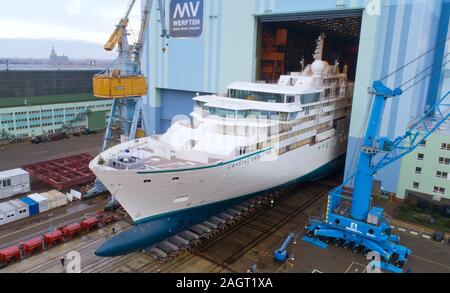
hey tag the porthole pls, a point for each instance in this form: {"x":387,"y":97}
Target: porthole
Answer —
{"x":371,"y":232}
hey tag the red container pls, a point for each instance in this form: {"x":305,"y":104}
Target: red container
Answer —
{"x":33,"y":246}
{"x":53,"y":238}
{"x":72,"y":230}
{"x":90,"y":223}
{"x":10,"y":254}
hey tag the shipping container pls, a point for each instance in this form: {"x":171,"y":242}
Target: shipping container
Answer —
{"x":33,"y":207}
{"x":55,"y":198}
{"x":9,"y":212}
{"x":10,"y":254}
{"x":53,"y":238}
{"x":22,"y":208}
{"x":32,"y":246}
{"x":42,"y":201}
{"x":14,"y":182}
{"x":72,"y":230}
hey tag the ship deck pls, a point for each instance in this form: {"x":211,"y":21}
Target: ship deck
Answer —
{"x":148,"y":160}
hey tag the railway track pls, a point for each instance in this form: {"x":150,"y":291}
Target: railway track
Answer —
{"x":264,"y":222}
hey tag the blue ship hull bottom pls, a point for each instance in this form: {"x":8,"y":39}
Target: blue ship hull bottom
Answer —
{"x":153,"y":230}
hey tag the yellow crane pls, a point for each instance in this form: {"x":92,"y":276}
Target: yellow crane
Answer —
{"x":124,"y":79}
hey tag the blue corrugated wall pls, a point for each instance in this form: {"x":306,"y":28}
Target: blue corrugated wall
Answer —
{"x":226,"y":52}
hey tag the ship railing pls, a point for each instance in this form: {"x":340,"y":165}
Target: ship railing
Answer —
{"x":126,"y":163}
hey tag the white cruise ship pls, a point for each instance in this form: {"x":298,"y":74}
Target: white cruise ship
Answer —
{"x":256,"y":137}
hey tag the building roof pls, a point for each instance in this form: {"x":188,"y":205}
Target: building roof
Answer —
{"x":46,"y":100}
{"x":12,"y":173}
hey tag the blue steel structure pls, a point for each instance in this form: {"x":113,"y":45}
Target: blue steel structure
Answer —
{"x":129,"y":111}
{"x":281,"y":254}
{"x":350,"y":221}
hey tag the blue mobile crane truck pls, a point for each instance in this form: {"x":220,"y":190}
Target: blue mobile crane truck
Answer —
{"x":350,"y":221}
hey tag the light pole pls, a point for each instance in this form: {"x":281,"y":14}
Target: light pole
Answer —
{"x":51,"y":223}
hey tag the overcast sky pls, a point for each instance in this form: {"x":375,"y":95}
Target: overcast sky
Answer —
{"x":91,"y":21}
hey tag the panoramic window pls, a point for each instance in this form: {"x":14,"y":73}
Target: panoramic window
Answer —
{"x":222,"y":112}
{"x":310,"y":98}
{"x":257,"y":96}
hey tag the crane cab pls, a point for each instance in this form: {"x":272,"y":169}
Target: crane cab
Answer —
{"x":111,"y":85}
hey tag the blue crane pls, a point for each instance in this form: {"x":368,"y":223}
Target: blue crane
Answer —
{"x":124,"y":83}
{"x":281,"y":254}
{"x":350,"y":221}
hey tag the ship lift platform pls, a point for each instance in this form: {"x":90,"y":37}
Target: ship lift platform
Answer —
{"x":175,"y":246}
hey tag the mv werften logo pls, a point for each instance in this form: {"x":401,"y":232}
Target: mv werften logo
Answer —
{"x":186,"y":18}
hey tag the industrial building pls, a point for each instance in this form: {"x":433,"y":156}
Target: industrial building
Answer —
{"x":426,"y":170}
{"x":36,"y":102}
{"x":259,"y":39}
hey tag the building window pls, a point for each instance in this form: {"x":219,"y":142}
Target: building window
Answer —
{"x":423,"y":143}
{"x":444,"y":161}
{"x":439,"y":190}
{"x":416,"y":185}
{"x":420,"y":157}
{"x":418,"y":170}
{"x":445,"y":146}
{"x":7,"y":183}
{"x":440,"y":174}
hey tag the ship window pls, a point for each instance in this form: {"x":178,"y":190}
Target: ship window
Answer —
{"x":222,"y":112}
{"x":283,"y":116}
{"x":293,"y":115}
{"x":175,"y":178}
{"x":290,"y":99}
{"x":147,"y":181}
{"x":310,"y":98}
{"x":256,"y":96}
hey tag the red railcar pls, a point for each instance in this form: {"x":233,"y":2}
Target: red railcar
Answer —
{"x":72,"y":230}
{"x":53,"y":238}
{"x":32,"y":246}
{"x":90,"y":224}
{"x":10,"y":254}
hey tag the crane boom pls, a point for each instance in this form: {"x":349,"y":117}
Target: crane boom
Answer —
{"x":118,"y":32}
{"x":138,"y":47}
{"x":416,"y":134}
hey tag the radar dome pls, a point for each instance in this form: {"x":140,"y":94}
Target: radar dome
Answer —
{"x":318,"y":67}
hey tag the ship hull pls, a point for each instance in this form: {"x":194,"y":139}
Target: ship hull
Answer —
{"x":147,"y":195}
{"x":152,"y":230}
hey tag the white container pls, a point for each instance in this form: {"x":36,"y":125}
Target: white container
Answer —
{"x":21,"y":207}
{"x":14,"y":182}
{"x":42,"y":201}
{"x":9,"y":212}
{"x":55,"y":198}
{"x":2,"y":218}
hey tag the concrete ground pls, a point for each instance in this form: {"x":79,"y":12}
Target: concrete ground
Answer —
{"x":17,"y":155}
{"x":250,"y":242}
